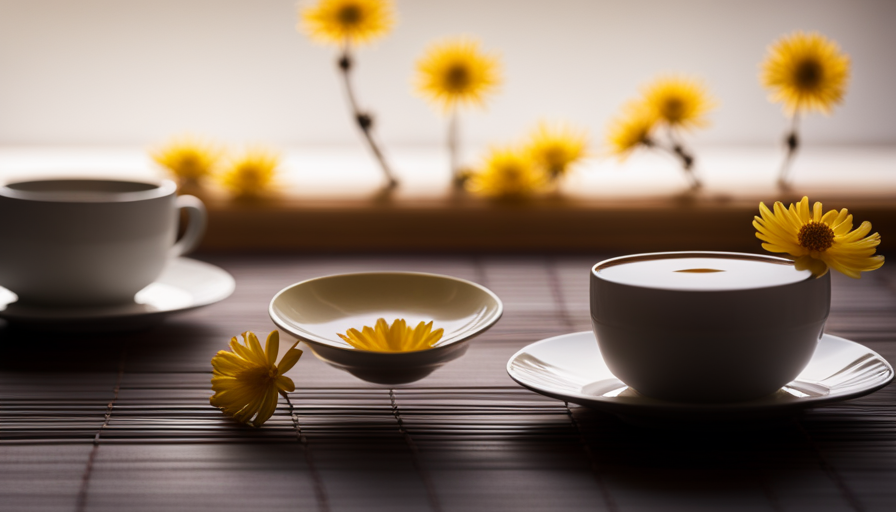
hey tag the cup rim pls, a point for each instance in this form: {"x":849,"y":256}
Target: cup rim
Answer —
{"x":161,"y":188}
{"x":619,"y":260}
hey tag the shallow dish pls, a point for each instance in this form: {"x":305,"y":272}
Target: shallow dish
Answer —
{"x":315,"y":310}
{"x":185,"y":284}
{"x":570,"y":368}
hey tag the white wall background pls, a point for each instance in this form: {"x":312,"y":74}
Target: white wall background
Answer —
{"x":102,"y":72}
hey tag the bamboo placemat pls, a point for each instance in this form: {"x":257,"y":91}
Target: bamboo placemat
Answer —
{"x":122,"y":421}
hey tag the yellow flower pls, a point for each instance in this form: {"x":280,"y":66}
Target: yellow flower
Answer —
{"x":251,"y":174}
{"x":555,"y":148}
{"x":188,"y":159}
{"x":247,"y":381}
{"x":631,"y":129}
{"x":678,"y":101}
{"x":397,"y":338}
{"x":806,"y":71}
{"x":455,"y":71}
{"x":818,"y":241}
{"x":348,"y":21}
{"x":507,"y":173}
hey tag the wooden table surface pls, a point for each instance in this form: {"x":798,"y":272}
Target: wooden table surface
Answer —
{"x":122,"y":421}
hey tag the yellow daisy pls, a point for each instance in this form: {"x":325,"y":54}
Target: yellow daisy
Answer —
{"x":187,"y":158}
{"x":252,"y":174}
{"x":631,"y":129}
{"x":818,"y":240}
{"x":679,"y":101}
{"x":806,"y":71}
{"x":555,"y":148}
{"x":455,"y":71}
{"x":248,"y":380}
{"x":397,"y":338}
{"x":507,"y":173}
{"x":348,"y":21}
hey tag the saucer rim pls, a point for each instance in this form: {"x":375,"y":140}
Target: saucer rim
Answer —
{"x":108,"y":313}
{"x":312,"y":339}
{"x":636,"y":405}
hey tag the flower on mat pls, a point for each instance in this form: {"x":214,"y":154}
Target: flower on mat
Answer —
{"x":348,"y":21}
{"x":555,"y":148}
{"x":187,"y":158}
{"x":818,"y":240}
{"x":397,"y":338}
{"x":248,"y":380}
{"x":455,"y":71}
{"x":507,"y":173}
{"x":806,"y":71}
{"x":631,"y":129}
{"x":252,"y":174}
{"x":678,"y":101}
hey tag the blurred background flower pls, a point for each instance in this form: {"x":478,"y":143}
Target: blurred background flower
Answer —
{"x":804,"y":72}
{"x":507,"y":173}
{"x":347,"y":23}
{"x":452,"y":73}
{"x":676,"y":103}
{"x":251,"y":175}
{"x":343,"y":22}
{"x":556,"y":148}
{"x":188,"y":159}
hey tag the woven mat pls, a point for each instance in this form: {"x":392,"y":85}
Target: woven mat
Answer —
{"x":122,"y":422}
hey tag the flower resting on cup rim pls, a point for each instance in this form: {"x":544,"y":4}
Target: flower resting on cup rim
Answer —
{"x":816,"y":240}
{"x":248,"y":381}
{"x":399,"y":337}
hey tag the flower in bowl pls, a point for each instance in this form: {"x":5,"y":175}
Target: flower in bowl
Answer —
{"x":317,"y":310}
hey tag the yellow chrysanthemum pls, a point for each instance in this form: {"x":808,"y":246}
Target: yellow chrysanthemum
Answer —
{"x":631,"y":129}
{"x":397,"y":338}
{"x":248,"y":380}
{"x":252,"y":174}
{"x":679,"y":101}
{"x":348,"y":21}
{"x":555,"y":148}
{"x":806,"y":72}
{"x":818,"y":240}
{"x":455,"y":71}
{"x":507,"y":173}
{"x":188,"y":159}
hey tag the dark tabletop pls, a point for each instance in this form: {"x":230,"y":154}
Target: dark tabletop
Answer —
{"x":122,"y":421}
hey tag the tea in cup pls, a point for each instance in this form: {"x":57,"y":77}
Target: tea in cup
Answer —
{"x":86,"y":242}
{"x":707,"y":326}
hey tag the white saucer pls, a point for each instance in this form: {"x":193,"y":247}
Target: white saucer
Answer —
{"x":570,"y":368}
{"x":185,"y":284}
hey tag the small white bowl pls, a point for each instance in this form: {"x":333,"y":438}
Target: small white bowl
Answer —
{"x":315,"y":310}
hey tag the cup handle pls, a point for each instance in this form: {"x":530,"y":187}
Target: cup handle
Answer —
{"x":196,"y":219}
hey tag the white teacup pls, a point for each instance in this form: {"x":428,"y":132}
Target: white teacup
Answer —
{"x":84,"y":242}
{"x":707,"y":326}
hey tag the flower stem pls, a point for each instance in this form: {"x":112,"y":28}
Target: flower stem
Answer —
{"x":453,"y":148}
{"x":678,"y":149}
{"x":364,"y":119}
{"x":792,"y":141}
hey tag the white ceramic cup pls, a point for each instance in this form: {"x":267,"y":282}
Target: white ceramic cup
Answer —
{"x":86,"y":242}
{"x":707,"y":326}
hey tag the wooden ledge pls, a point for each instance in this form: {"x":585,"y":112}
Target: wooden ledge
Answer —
{"x":550,"y":224}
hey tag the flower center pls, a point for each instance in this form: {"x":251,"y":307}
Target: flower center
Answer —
{"x":350,"y":15}
{"x":673,"y":109}
{"x":457,"y":77}
{"x":816,"y":236}
{"x":808,"y":74}
{"x":259,"y":376}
